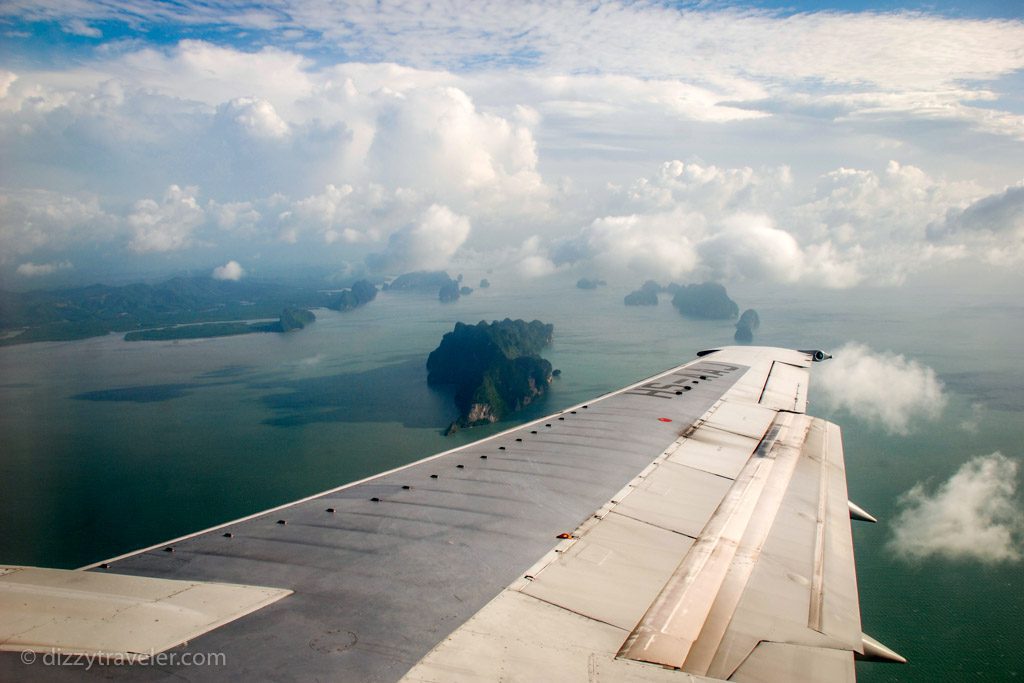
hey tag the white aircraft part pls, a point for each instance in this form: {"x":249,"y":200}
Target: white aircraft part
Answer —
{"x":772,"y":662}
{"x":786,"y":388}
{"x":589,"y":577}
{"x":705,"y":535}
{"x":75,"y":612}
{"x":764,"y":591}
{"x":715,"y":451}
{"x":745,"y":419}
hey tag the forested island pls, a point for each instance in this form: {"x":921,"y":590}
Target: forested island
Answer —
{"x":706,"y":301}
{"x":291,"y":319}
{"x":495,"y":368}
{"x":359,"y":294}
{"x":647,"y":295}
{"x":448,"y":289}
{"x":746,"y":326}
{"x":180,"y":308}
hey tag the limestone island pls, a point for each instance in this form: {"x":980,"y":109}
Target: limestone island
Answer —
{"x":291,"y":319}
{"x":706,"y":301}
{"x":647,"y":295}
{"x":182,"y":307}
{"x":421,"y":280}
{"x":495,"y":368}
{"x":587,"y":283}
{"x":359,"y":294}
{"x":746,"y":326}
{"x":448,"y":290}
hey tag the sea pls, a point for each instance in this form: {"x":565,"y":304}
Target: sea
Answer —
{"x":107,"y":446}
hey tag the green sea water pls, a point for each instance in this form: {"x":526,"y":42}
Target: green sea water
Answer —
{"x":108,"y":445}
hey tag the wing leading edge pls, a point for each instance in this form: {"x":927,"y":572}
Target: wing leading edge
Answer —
{"x":714,"y":544}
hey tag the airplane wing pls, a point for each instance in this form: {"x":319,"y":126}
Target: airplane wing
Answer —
{"x":693,"y":526}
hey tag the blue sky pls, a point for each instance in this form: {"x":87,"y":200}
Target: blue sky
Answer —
{"x":838,"y":144}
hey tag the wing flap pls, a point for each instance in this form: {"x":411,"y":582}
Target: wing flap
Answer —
{"x":675,"y":497}
{"x":803,"y":588}
{"x":80,"y":612}
{"x":773,"y":662}
{"x":715,"y":451}
{"x":786,"y":388}
{"x":613,"y":570}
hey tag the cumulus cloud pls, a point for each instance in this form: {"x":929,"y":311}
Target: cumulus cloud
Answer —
{"x":654,"y":245}
{"x":994,"y":223}
{"x":229,"y":271}
{"x":530,"y":261}
{"x":427,"y":244}
{"x":254,"y":116}
{"x":312,"y":153}
{"x":235,"y":217}
{"x":882,"y":388}
{"x":974,"y":515}
{"x":695,"y":220}
{"x":751,"y":247}
{"x":34,"y":219}
{"x":6,"y":79}
{"x":709,"y":188}
{"x":436,"y":140}
{"x":29,"y":269}
{"x":1003,"y":212}
{"x":167,"y":225}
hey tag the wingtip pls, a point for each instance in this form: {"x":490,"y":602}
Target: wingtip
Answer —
{"x":860,"y":514}
{"x":874,"y":651}
{"x":817,"y":355}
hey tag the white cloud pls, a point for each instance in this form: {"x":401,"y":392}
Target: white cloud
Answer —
{"x":975,"y":515}
{"x":166,"y":225}
{"x":529,"y":260}
{"x":750,"y":247}
{"x":229,"y":271}
{"x":702,"y":221}
{"x":77,"y":27}
{"x":195,"y":70}
{"x":992,"y":226}
{"x":236,"y":217}
{"x":435,"y":140}
{"x":29,"y":269}
{"x":642,"y":39}
{"x":6,"y":79}
{"x":34,"y":219}
{"x":709,"y":188}
{"x":342,"y":155}
{"x":428,"y":244}
{"x":973,"y":423}
{"x":256,"y":117}
{"x":882,"y":388}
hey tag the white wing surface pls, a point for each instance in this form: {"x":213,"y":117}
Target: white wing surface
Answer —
{"x":694,"y":526}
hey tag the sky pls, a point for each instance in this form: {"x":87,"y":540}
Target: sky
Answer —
{"x":829,"y":144}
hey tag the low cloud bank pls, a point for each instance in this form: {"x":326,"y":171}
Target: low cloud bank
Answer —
{"x":29,"y":269}
{"x":231,"y":270}
{"x":974,"y":515}
{"x":881,"y":388}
